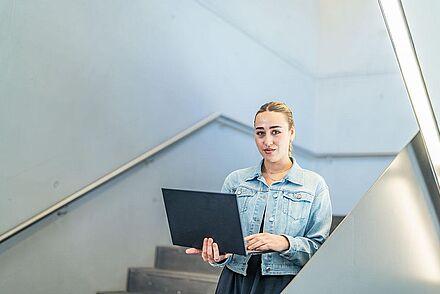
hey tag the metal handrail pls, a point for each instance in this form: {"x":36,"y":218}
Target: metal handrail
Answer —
{"x":107,"y":177}
{"x":304,"y":150}
{"x":125,"y":167}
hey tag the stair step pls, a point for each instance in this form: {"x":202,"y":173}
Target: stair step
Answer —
{"x":174,"y":258}
{"x":125,"y":292}
{"x":167,"y":281}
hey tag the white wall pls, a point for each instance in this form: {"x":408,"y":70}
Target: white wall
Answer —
{"x":389,"y":241}
{"x":86,"y":86}
{"x":360,"y":97}
{"x":361,"y":103}
{"x":118,"y":225}
{"x":89,"y":85}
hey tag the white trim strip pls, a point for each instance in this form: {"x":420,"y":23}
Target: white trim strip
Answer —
{"x":404,"y":49}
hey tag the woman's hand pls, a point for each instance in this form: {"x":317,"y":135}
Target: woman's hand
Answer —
{"x":209,"y":252}
{"x":267,"y":241}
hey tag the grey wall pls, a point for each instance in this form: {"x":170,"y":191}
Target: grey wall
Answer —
{"x":118,"y":225}
{"x":86,"y":86}
{"x":389,"y":243}
{"x":361,"y":103}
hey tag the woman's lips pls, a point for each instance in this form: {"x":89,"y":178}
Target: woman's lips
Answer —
{"x":269,"y":151}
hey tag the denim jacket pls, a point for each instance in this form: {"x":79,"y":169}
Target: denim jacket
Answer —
{"x":297,"y":207}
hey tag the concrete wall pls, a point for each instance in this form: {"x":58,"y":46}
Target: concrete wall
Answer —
{"x":389,"y":241}
{"x":85,"y":86}
{"x":119,"y":224}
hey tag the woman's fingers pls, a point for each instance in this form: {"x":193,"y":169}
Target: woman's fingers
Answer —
{"x":252,"y":242}
{"x":216,"y":252}
{"x":193,"y":251}
{"x":252,"y":239}
{"x":210,"y":253}
{"x":262,"y":247}
{"x":262,"y":241}
{"x":205,"y":250}
{"x":256,"y":244}
{"x":267,"y":241}
{"x":217,"y":256}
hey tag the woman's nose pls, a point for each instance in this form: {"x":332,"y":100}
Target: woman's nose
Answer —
{"x":267,"y":142}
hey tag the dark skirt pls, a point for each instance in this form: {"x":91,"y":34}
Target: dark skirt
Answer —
{"x":254,"y":282}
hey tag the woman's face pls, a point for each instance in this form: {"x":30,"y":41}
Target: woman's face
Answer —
{"x":272,"y":135}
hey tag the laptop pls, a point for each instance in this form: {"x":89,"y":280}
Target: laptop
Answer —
{"x":194,"y":215}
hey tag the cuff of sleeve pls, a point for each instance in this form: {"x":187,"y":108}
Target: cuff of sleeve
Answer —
{"x":220,"y":264}
{"x":288,"y":253}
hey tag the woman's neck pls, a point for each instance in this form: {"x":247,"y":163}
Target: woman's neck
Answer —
{"x":279,"y":166}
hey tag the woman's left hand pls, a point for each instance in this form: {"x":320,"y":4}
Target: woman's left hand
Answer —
{"x":266,"y":241}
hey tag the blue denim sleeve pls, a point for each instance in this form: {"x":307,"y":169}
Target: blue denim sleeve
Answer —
{"x":226,"y":188}
{"x":301,"y":248}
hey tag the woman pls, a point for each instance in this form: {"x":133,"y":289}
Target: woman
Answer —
{"x":285,"y":210}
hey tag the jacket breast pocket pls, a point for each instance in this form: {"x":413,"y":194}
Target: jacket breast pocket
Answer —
{"x":296,"y":205}
{"x":244,"y":196}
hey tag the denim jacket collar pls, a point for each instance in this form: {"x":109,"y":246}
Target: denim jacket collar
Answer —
{"x":295,"y":174}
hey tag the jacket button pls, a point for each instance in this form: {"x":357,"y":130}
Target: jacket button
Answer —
{"x":238,"y":192}
{"x":267,"y":269}
{"x":298,"y":196}
{"x":271,"y":219}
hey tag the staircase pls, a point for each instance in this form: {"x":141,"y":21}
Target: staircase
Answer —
{"x":176,"y":272}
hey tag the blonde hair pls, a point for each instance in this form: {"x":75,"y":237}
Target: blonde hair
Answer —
{"x":282,"y":108}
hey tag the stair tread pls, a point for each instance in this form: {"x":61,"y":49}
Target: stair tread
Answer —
{"x":124,"y":292}
{"x":145,"y":279}
{"x":175,"y":258}
{"x":127,"y":292}
{"x":175,"y":274}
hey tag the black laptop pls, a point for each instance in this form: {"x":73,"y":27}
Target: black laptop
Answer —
{"x":194,"y":215}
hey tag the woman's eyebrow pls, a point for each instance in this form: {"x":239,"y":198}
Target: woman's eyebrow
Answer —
{"x":272,"y":127}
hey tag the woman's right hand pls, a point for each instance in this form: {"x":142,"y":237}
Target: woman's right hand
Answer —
{"x":209,"y":252}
